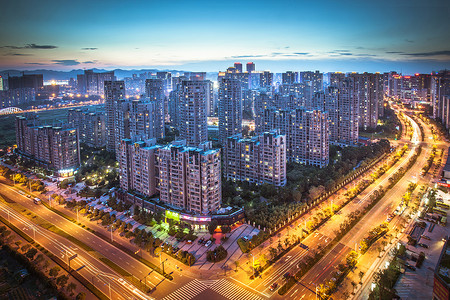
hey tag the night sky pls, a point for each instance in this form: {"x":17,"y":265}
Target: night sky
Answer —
{"x":408,"y":36}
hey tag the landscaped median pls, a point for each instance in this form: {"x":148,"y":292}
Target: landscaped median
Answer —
{"x":61,"y":263}
{"x":50,"y":227}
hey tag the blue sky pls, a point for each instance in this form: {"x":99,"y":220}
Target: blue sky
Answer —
{"x":409,"y":36}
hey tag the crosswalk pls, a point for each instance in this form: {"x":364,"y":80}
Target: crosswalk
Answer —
{"x":403,"y":286}
{"x":223,"y":287}
{"x":233,"y":291}
{"x":187,"y":291}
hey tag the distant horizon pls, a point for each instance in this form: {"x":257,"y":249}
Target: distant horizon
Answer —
{"x":404,"y":68}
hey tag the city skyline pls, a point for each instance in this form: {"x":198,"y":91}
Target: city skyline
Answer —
{"x":406,"y":36}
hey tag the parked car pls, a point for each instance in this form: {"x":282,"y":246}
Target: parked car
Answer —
{"x":245,"y":238}
{"x":189,"y":242}
{"x":201,"y":240}
{"x":425,"y":237}
{"x":412,"y":268}
{"x":208,"y":243}
{"x":286,"y":276}
{"x":423,"y":245}
{"x":273,"y":286}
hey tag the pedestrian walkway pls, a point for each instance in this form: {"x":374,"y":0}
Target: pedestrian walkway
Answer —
{"x":232,"y":291}
{"x":223,"y":287}
{"x":403,"y":287}
{"x":187,"y":291}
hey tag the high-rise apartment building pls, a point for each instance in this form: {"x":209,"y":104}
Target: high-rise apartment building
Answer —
{"x":56,"y":148}
{"x":238,"y":67}
{"x":258,"y":160}
{"x":190,"y":178}
{"x":93,"y":83}
{"x":91,"y":126}
{"x":315,"y":80}
{"x":289,"y":77}
{"x":114,"y":92}
{"x":137,"y":166}
{"x":341,"y":103}
{"x":144,"y":119}
{"x":250,"y":67}
{"x":230,"y":108}
{"x":35,"y":81}
{"x":193,"y":111}
{"x":155,"y":92}
{"x":307,"y":133}
{"x":369,"y":90}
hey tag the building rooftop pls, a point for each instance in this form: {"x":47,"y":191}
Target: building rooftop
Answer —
{"x":443,"y":266}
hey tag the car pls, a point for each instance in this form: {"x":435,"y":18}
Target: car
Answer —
{"x":286,"y":276}
{"x":245,"y":238}
{"x":412,"y":268}
{"x":201,"y":240}
{"x":175,"y":250}
{"x":425,"y":237}
{"x":303,"y":246}
{"x":273,"y":286}
{"x":208,"y":243}
{"x":423,"y":245}
{"x":189,"y":242}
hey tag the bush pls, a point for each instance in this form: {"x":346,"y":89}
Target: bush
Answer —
{"x":217,"y":254}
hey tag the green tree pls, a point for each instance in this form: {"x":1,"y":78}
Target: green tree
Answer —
{"x":212,"y":226}
{"x":62,"y":280}
{"x":71,"y":287}
{"x":54,"y":271}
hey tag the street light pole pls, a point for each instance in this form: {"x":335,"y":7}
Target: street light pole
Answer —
{"x":112,"y":239}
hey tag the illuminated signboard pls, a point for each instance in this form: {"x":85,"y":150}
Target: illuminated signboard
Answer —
{"x":172,"y":215}
{"x":196,"y":219}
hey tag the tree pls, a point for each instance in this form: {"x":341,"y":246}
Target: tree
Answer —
{"x":71,"y":287}
{"x":212,"y":226}
{"x":54,"y":271}
{"x":361,"y":275}
{"x":31,"y":253}
{"x":273,"y":253}
{"x":80,"y":296}
{"x":62,"y":280}
{"x":46,"y":264}
{"x":354,"y":286}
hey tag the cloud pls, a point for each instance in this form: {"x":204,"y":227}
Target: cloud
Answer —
{"x":409,"y":41}
{"x":301,"y":53}
{"x":433,"y":53}
{"x":394,"y":52}
{"x":89,"y":48}
{"x":66,"y":62}
{"x":247,"y":56}
{"x":17,"y":54}
{"x":89,"y":62}
{"x":31,"y":46}
{"x":33,"y":63}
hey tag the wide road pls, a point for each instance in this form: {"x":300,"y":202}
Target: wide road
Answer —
{"x":105,"y":279}
{"x":122,"y":259}
{"x":324,"y":234}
